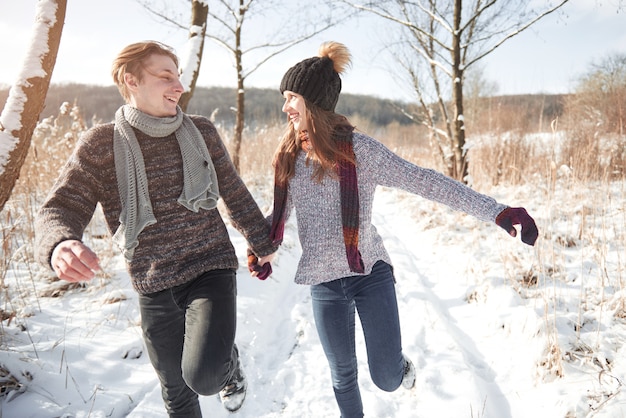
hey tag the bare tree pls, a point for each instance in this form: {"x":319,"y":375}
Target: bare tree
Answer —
{"x":439,"y":40}
{"x":595,"y":121}
{"x":262,"y":42}
{"x":600,"y":98}
{"x":27,"y":96}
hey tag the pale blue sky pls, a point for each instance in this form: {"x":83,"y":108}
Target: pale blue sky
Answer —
{"x":546,"y":58}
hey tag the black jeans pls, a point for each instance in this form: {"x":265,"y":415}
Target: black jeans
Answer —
{"x":189,"y":332}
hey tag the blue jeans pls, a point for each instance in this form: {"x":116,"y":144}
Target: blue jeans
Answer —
{"x":189,"y":332}
{"x":374,"y":297}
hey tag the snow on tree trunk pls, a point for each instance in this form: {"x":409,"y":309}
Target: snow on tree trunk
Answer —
{"x":27,"y":95}
{"x":192,"y":56}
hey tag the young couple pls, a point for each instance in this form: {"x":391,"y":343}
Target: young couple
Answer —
{"x":158,"y":173}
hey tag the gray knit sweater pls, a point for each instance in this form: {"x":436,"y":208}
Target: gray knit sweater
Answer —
{"x":318,"y":211}
{"x":182,"y":244}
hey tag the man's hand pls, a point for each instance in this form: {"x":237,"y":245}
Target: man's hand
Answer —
{"x":260,"y":268}
{"x":73,"y":261}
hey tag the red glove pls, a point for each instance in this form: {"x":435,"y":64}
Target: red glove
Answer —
{"x":263,"y":271}
{"x":518,"y":216}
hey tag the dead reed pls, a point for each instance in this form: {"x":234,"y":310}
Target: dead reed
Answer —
{"x":562,"y":167}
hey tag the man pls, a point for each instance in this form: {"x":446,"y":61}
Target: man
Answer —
{"x":158,"y":174}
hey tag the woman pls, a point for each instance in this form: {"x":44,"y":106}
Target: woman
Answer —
{"x":328,"y":173}
{"x":158,"y":173}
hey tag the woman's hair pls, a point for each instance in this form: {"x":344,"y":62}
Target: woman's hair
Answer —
{"x":322,"y":126}
{"x":132,"y":60}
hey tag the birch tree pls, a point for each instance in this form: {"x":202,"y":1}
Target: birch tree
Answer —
{"x":438,"y":41}
{"x":27,"y":95}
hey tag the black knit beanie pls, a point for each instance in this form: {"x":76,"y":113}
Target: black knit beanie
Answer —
{"x":316,"y":80}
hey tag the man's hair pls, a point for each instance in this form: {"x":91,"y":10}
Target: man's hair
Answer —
{"x":132,"y":60}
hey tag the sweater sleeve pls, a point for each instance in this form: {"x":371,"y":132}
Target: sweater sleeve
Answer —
{"x":390,"y":170}
{"x":241,"y":207}
{"x":70,"y":204}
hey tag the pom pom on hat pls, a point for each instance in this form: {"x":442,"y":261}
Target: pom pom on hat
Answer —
{"x":317,"y":78}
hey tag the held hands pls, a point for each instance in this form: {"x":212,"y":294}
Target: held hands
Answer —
{"x":518,"y":216}
{"x":259,"y":267}
{"x":73,"y":261}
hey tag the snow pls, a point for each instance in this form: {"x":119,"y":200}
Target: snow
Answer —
{"x":190,"y":57}
{"x":484,"y":343}
{"x":494,"y":327}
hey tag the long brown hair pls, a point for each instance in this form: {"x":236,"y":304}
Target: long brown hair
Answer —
{"x":323,"y":126}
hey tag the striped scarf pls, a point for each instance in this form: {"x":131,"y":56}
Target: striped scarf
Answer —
{"x":349,"y":193}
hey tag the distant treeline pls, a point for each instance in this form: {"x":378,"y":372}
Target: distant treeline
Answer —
{"x":263,"y":106}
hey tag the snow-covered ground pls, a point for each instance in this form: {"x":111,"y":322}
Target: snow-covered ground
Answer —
{"x":495,"y":328}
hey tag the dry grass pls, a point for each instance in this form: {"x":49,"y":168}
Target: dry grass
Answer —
{"x":10,"y":386}
{"x":562,"y":170}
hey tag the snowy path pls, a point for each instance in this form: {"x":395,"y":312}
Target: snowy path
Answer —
{"x":485,"y":345}
{"x":461,"y":373}
{"x":90,"y":361}
{"x":286,"y":368}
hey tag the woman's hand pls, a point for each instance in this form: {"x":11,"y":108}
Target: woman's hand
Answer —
{"x":260,"y":267}
{"x":518,"y":216}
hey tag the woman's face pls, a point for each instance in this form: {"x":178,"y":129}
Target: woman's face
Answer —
{"x":295,"y":108}
{"x":159,"y":90}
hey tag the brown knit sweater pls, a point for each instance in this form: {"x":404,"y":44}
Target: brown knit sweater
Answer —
{"x":182,"y":244}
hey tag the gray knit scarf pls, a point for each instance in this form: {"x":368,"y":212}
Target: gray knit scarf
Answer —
{"x":200,"y":188}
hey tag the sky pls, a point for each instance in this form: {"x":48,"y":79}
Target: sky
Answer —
{"x":483,"y":344}
{"x":547,"y":58}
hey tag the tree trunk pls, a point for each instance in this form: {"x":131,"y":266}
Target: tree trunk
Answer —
{"x":458,"y":134}
{"x":239,"y":122}
{"x":239,"y":118}
{"x":27,"y":98}
{"x":199,"y":13}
